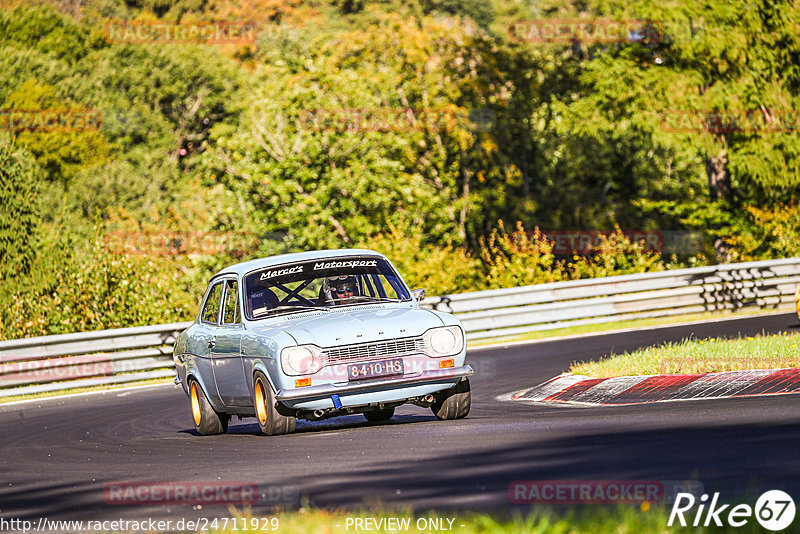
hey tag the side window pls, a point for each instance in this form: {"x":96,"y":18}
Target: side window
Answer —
{"x":230,"y":314}
{"x":211,"y":308}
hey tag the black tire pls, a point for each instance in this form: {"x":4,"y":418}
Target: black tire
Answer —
{"x":207,"y":421}
{"x":270,"y":421}
{"x":453,"y":403}
{"x":379,"y":415}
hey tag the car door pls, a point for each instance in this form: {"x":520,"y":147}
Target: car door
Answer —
{"x":204,"y":335}
{"x":226,"y":353}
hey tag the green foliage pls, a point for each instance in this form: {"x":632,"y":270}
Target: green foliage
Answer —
{"x":81,"y":290}
{"x":525,"y":258}
{"x":520,"y":258}
{"x":61,"y":154}
{"x":771,"y":232}
{"x":45,"y":30}
{"x":165,"y":97}
{"x":166,"y":8}
{"x":350,"y":132}
{"x":20,"y":180}
{"x":348,"y":7}
{"x":616,"y":255}
{"x":481,"y":11}
{"x":724,"y":56}
{"x":21,"y":65}
{"x":440,"y":270}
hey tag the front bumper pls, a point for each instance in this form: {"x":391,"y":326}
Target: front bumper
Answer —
{"x":326,"y":390}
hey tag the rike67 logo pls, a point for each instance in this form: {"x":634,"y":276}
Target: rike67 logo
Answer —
{"x":774,"y":510}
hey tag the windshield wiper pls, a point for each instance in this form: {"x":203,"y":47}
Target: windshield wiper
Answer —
{"x":367,"y":298}
{"x":290,"y":307}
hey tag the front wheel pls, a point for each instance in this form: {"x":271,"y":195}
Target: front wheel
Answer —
{"x":453,"y":403}
{"x":270,"y":422}
{"x":207,"y":420}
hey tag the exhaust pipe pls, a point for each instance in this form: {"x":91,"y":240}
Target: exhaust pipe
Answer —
{"x":425,"y":401}
{"x":319,"y":413}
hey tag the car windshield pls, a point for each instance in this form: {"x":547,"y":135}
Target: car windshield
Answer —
{"x":321,"y":284}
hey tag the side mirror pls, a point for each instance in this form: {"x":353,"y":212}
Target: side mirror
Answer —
{"x":418,"y":294}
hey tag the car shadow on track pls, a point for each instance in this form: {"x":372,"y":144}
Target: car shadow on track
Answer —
{"x":327,"y":425}
{"x":732,"y":459}
{"x":472,"y":467}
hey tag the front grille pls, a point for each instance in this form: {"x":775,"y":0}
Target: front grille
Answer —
{"x":373,"y":351}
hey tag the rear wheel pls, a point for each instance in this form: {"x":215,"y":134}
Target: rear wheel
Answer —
{"x":206,"y":419}
{"x":270,"y":422}
{"x":453,"y":403}
{"x":379,"y":415}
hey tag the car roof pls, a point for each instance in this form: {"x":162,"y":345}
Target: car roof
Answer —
{"x":247,"y":266}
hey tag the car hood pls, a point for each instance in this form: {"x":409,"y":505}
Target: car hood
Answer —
{"x":348,"y":326}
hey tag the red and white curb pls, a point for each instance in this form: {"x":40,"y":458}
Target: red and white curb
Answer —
{"x":576,"y":389}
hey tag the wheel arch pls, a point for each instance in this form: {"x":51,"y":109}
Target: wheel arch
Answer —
{"x":193,"y":375}
{"x":259,"y":366}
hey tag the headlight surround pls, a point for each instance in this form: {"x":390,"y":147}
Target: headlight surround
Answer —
{"x":301,"y":360}
{"x":443,"y":341}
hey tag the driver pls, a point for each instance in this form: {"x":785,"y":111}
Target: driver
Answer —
{"x":339,"y":289}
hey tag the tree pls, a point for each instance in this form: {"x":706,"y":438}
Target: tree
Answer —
{"x":346,"y":133}
{"x":713,"y":57}
{"x":20,"y":179}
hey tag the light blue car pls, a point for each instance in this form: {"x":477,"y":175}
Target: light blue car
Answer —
{"x":314,"y":335}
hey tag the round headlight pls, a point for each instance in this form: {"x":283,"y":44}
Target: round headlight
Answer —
{"x":443,"y":341}
{"x":300,"y":360}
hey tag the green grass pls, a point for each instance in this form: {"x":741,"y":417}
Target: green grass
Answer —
{"x":604,"y":327}
{"x":777,"y":351}
{"x":589,"y":519}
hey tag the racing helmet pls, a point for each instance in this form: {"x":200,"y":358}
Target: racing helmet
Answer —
{"x":340,"y":288}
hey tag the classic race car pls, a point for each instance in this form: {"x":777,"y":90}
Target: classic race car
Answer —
{"x":314,"y":335}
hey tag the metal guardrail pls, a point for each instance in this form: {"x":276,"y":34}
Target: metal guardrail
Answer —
{"x":84,"y":359}
{"x":764,"y":285}
{"x":51,"y":363}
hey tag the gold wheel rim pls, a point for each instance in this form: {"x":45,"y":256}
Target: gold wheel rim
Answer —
{"x":261,"y":403}
{"x":196,"y":413}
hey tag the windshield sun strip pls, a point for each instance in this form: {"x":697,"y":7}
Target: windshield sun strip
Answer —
{"x":393,"y":279}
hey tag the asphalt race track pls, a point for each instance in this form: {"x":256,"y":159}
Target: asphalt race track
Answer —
{"x":57,"y":455}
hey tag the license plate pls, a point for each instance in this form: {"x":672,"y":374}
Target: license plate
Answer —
{"x":362,"y":371}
